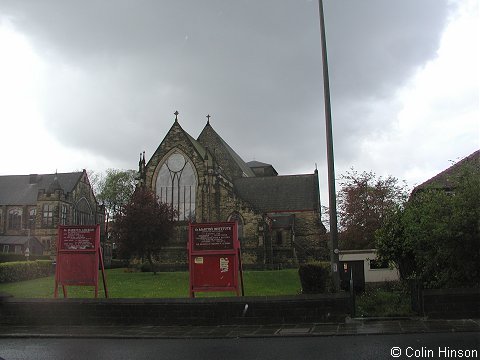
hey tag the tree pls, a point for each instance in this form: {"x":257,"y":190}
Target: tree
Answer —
{"x":143,"y":226}
{"x":115,"y":189}
{"x":435,"y":238}
{"x":364,"y":201}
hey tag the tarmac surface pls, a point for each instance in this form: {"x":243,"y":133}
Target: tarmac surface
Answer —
{"x":356,"y":326}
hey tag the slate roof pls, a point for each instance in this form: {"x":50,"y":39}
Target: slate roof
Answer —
{"x":220,"y":142}
{"x":14,"y":240}
{"x":18,"y":189}
{"x":254,"y":164}
{"x":280,"y":193}
{"x":262,"y":169}
{"x":447,"y":178}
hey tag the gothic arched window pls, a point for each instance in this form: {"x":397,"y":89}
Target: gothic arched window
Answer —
{"x":177,"y":185}
{"x":236,"y":217}
{"x":82,"y":213}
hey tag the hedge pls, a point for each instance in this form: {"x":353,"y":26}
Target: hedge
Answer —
{"x":24,"y":270}
{"x":11,"y":257}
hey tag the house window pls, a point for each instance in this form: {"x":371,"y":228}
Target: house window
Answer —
{"x":47,"y":215}
{"x":63,"y":214}
{"x":15,"y":219}
{"x":376,"y":264}
{"x":6,"y":248}
{"x":32,"y":213}
{"x":18,"y":249}
{"x":177,"y":185}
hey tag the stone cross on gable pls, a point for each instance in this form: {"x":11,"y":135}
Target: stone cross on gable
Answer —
{"x":208,"y":119}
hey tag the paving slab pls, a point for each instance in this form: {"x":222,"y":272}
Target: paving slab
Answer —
{"x":352,"y":327}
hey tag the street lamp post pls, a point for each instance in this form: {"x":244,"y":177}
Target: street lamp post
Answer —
{"x":330,"y":160}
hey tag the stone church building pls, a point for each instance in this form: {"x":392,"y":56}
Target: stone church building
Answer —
{"x":32,"y":206}
{"x":205,"y":180}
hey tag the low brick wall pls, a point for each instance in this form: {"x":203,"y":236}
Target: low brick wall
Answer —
{"x":198,"y":311}
{"x":451,"y":303}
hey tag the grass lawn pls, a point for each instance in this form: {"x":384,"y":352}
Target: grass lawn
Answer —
{"x":123,"y":284}
{"x":374,"y":302}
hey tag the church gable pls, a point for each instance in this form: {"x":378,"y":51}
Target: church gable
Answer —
{"x":231,"y":163}
{"x":176,"y":140}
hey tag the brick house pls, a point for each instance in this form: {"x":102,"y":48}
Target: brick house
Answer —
{"x":207,"y":181}
{"x":32,"y":206}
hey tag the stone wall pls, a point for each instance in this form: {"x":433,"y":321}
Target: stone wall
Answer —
{"x":451,"y":303}
{"x":198,"y":311}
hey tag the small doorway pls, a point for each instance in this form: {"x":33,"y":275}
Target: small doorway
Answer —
{"x":357,"y":270}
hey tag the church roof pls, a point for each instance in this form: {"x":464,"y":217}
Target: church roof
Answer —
{"x":255,"y":164}
{"x":233,"y":164}
{"x":280,"y":193}
{"x":23,"y":189}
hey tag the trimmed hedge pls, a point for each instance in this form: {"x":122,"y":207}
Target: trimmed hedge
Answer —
{"x":24,"y":270}
{"x":11,"y":257}
{"x":315,"y":278}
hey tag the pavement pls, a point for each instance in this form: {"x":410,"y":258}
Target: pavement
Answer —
{"x":356,"y":326}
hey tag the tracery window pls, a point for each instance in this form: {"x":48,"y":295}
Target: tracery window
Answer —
{"x":177,"y":185}
{"x":83,"y":214}
{"x":15,"y":219}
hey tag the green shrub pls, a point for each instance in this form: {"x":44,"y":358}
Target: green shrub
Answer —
{"x":117,"y":264}
{"x":24,"y":270}
{"x":315,"y":278}
{"x":11,"y":257}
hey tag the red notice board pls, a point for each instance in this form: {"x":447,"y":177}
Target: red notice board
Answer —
{"x":214,"y":257}
{"x":78,"y":258}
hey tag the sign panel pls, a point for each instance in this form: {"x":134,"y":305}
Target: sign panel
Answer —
{"x":77,"y":238}
{"x":78,"y":258}
{"x":214,"y":257}
{"x":213,"y":237}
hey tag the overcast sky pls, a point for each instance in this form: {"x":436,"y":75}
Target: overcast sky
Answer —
{"x":91,"y":84}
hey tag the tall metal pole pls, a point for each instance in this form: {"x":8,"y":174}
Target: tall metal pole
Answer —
{"x":330,"y":161}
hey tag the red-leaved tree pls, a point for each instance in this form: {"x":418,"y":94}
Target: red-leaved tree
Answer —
{"x":143,"y":226}
{"x":364,"y":202}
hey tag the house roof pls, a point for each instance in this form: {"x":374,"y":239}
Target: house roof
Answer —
{"x":447,"y":178}
{"x":16,"y":240}
{"x":280,"y":193}
{"x":23,"y":189}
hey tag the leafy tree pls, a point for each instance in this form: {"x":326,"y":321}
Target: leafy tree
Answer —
{"x":143,"y":226}
{"x":363,"y":203}
{"x":435,"y":238}
{"x":115,"y":189}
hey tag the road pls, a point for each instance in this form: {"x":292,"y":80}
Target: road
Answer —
{"x":410,"y":346}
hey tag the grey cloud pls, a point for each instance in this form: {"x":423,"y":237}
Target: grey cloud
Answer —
{"x":254,"y":65}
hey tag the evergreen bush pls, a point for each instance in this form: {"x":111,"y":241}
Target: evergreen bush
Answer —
{"x":24,"y":270}
{"x":315,"y":278}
